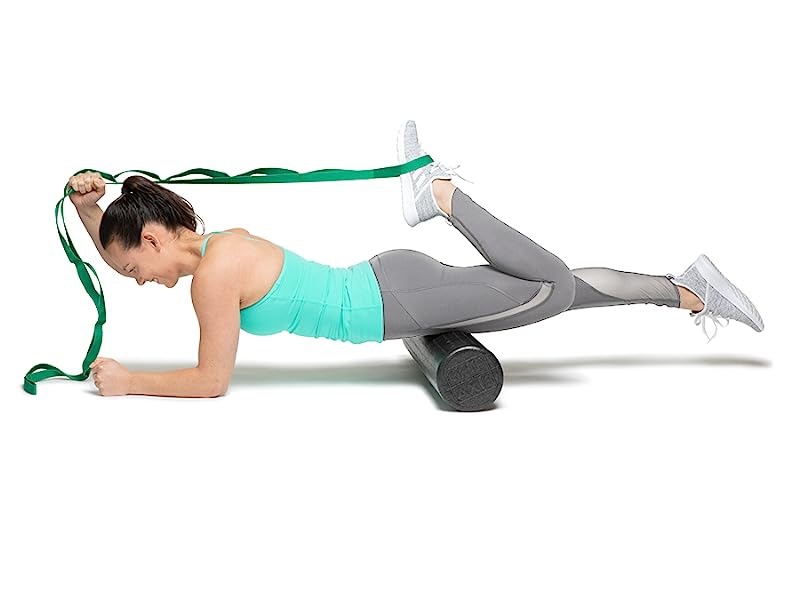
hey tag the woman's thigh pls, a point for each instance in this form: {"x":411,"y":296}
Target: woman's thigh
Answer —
{"x":422,"y":295}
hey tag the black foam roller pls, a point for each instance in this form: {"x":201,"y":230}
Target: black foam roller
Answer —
{"x":463,"y":372}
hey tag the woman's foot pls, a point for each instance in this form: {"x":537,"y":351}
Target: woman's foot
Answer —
{"x":419,"y":203}
{"x":721,"y":299}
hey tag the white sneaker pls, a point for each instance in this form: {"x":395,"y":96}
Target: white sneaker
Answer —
{"x":418,"y":201}
{"x":720,"y":297}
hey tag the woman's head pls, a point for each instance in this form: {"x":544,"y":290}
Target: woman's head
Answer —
{"x":139,"y":230}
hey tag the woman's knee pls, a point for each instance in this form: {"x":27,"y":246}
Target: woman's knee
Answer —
{"x":563,"y":290}
{"x":559,"y":299}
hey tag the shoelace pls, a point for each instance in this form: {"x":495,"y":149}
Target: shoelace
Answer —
{"x":434,"y":170}
{"x":448,"y":170}
{"x":704,"y":314}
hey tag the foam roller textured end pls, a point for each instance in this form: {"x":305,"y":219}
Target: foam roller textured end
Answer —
{"x":464,"y":373}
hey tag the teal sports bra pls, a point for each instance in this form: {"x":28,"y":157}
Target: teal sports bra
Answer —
{"x":317,"y":300}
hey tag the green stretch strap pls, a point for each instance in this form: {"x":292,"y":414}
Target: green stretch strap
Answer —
{"x":44,"y":371}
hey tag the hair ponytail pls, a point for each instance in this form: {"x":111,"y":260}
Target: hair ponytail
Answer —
{"x":143,"y":201}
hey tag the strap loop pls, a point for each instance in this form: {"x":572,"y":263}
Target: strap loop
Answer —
{"x":43,"y":371}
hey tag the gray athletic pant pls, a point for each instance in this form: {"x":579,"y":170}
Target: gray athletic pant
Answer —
{"x":523,"y":284}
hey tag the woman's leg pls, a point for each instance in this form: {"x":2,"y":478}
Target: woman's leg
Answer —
{"x":422,"y":295}
{"x":600,"y":286}
{"x":523,"y":284}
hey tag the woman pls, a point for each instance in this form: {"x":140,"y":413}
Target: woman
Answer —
{"x":242,"y":281}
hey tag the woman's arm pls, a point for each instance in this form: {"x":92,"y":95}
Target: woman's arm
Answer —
{"x":183,"y":383}
{"x":216,"y":296}
{"x":88,"y":188}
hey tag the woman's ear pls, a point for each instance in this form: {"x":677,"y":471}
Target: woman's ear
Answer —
{"x":151,"y":238}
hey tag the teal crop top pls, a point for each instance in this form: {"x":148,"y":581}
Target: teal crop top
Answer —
{"x":317,"y":300}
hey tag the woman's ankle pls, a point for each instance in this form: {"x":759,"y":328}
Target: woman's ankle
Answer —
{"x":689,"y":300}
{"x":443,"y":190}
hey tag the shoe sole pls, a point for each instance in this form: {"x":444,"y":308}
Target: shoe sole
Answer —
{"x":729,"y":291}
{"x":409,"y":210}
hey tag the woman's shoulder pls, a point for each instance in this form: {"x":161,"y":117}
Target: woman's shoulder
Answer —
{"x":241,"y":230}
{"x":240,"y":233}
{"x":242,"y":246}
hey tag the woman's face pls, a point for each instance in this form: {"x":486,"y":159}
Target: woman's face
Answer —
{"x":154,"y":260}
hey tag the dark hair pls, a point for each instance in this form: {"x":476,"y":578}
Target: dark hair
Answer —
{"x":143,"y":201}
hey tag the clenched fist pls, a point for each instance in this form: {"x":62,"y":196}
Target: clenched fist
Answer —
{"x":89,"y":188}
{"x":110,"y":377}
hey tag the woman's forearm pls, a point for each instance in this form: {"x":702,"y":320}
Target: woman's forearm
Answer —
{"x":90,"y":217}
{"x":185,"y":383}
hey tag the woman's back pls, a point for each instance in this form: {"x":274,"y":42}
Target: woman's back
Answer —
{"x":282,"y":291}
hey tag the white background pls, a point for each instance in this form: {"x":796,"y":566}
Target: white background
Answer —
{"x":626,"y":457}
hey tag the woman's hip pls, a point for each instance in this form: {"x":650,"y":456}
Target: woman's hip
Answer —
{"x":422,"y":295}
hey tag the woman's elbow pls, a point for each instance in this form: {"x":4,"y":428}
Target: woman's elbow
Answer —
{"x":219,"y":388}
{"x":212,"y":382}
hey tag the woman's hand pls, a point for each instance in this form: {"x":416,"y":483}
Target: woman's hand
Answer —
{"x":110,"y":377}
{"x":89,"y":188}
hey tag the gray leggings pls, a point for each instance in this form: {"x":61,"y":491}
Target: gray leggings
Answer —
{"x":523,"y":284}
